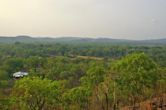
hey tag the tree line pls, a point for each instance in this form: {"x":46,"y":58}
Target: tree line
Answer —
{"x":66,"y":82}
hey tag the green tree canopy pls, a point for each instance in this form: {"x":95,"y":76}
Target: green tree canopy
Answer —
{"x":36,"y":93}
{"x":136,"y":73}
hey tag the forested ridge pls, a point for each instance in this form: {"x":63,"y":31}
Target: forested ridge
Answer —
{"x":79,"y":40}
{"x":86,"y":76}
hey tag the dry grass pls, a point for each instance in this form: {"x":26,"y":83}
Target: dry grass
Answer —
{"x":90,"y":57}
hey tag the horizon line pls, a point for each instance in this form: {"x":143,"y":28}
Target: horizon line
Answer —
{"x":102,"y":37}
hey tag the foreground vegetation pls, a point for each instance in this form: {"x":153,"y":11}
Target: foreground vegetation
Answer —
{"x":80,"y":77}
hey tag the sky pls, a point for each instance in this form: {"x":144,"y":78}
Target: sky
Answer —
{"x":120,"y":19}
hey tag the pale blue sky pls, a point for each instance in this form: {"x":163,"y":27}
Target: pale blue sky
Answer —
{"x":127,"y":19}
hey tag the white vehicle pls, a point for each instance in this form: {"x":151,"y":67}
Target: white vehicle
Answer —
{"x":20,"y":74}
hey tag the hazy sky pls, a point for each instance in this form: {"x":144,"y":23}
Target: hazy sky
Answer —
{"x":131,"y":19}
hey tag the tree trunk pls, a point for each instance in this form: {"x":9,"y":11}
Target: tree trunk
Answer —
{"x":106,"y":99}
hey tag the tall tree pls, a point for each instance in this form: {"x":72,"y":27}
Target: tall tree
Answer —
{"x":137,"y":75}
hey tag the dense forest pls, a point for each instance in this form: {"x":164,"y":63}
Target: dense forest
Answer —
{"x":85,"y":76}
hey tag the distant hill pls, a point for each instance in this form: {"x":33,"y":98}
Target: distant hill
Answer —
{"x":28,"y":39}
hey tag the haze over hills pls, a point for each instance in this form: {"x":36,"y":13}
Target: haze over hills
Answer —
{"x":28,"y":39}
